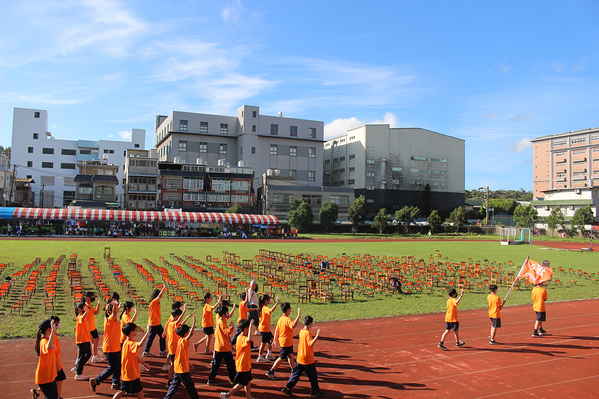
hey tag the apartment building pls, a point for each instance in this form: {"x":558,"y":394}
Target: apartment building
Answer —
{"x":141,"y":179}
{"x":96,"y":185}
{"x":391,"y":166}
{"x":565,"y":161}
{"x":292,"y":146}
{"x":5,"y":179}
{"x":51,"y":163}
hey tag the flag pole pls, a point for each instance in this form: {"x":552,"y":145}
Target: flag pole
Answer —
{"x":516,"y":279}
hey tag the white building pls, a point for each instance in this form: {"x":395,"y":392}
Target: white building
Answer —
{"x":52,"y":163}
{"x":569,"y":200}
{"x":391,"y":166}
{"x":292,"y":146}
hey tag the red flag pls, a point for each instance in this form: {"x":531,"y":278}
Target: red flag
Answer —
{"x":535,"y":272}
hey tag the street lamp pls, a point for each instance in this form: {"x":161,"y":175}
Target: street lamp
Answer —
{"x":487,"y":202}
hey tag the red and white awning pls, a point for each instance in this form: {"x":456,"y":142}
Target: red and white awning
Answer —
{"x":141,"y":216}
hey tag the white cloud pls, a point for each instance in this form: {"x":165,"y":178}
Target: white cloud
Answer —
{"x":521,"y":145}
{"x":522,"y":117}
{"x":125,"y":134}
{"x":505,"y":69}
{"x":558,"y":66}
{"x":340,"y":126}
{"x":491,"y":115}
{"x":232,"y":12}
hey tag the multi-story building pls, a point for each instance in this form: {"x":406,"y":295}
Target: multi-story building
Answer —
{"x":5,"y":179}
{"x":565,"y":161}
{"x":96,"y":185}
{"x":141,"y":179}
{"x":391,"y":166}
{"x":292,"y":146}
{"x":279,"y":192}
{"x":52,"y":163}
{"x":198,"y":187}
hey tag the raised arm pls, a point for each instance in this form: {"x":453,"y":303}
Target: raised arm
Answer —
{"x":249,"y":337}
{"x":311,"y":343}
{"x":193,"y":326}
{"x":159,"y":297}
{"x":299,"y":313}
{"x":276,"y":304}
{"x":460,"y":297}
{"x":220,"y":299}
{"x":115,"y":311}
{"x":232,"y":310}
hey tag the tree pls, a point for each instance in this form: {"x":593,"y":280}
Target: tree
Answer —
{"x":581,"y":218}
{"x":458,"y":217}
{"x":556,"y":218}
{"x":381,"y":220}
{"x":357,"y":211}
{"x":328,"y":214}
{"x":427,"y":202}
{"x":407,"y":214}
{"x":300,"y":215}
{"x":5,"y":151}
{"x":434,"y":220}
{"x":525,"y":215}
{"x":235,"y":208}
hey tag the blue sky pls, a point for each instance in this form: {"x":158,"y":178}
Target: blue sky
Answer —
{"x":495,"y":74}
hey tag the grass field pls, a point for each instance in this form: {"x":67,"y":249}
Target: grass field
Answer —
{"x":21,"y":252}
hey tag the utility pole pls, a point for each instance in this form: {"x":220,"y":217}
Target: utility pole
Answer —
{"x":12,"y":182}
{"x":487,"y":205}
{"x":486,"y":196}
{"x":42,"y":196}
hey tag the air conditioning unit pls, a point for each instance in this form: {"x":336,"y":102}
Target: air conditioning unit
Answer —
{"x":197,"y":202}
{"x":384,"y":159}
{"x":227,"y":204}
{"x":546,"y":207}
{"x":209,"y":204}
{"x":571,"y":207}
{"x":131,"y":205}
{"x":151,"y":205}
{"x":222,"y":162}
{"x":176,"y":202}
{"x":577,"y":191}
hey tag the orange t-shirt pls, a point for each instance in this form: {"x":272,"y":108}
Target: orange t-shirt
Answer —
{"x":46,"y":366}
{"x":154,"y":319}
{"x":171,"y":336}
{"x":264,"y":325}
{"x":111,"y":342}
{"x":494,"y":304}
{"x":124,"y":320}
{"x":57,"y":349}
{"x":243,"y":311}
{"x":222,"y":342}
{"x":82,"y":330}
{"x":285,"y":329}
{"x":182,"y":356}
{"x":243,"y":355}
{"x":452,"y":310}
{"x":305,"y":352}
{"x":539,"y":296}
{"x":207,"y":317}
{"x":91,"y":317}
{"x":129,"y":363}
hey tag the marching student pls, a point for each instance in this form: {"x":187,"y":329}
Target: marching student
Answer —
{"x":539,"y":296}
{"x":45,"y":373}
{"x":90,"y":297}
{"x":264,"y":327}
{"x":130,"y":361}
{"x":60,"y":376}
{"x":111,"y":346}
{"x":243,"y":362}
{"x":181,"y":362}
{"x":495,"y":307}
{"x":208,"y":322}
{"x":172,"y":338}
{"x":154,"y":322}
{"x":126,"y":317}
{"x":284,"y":332}
{"x":222,"y":345}
{"x":83,"y":340}
{"x":451,"y":319}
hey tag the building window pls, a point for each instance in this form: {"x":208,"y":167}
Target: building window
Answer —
{"x":182,"y":145}
{"x":293,"y":131}
{"x":36,"y":136}
{"x":254,"y":128}
{"x":351,"y":181}
{"x":292,"y":173}
{"x":312,"y":152}
{"x":193,"y":184}
{"x":224,"y":128}
{"x":30,"y":164}
{"x":183,"y":125}
{"x":136,"y":145}
{"x":369,"y":174}
{"x":342,"y":200}
{"x":274,"y":149}
{"x":293,"y":151}
{"x":203,"y":147}
{"x":253,"y":150}
{"x":203,"y":127}
{"x":351,"y":169}
{"x":370,"y":161}
{"x":578,"y":140}
{"x":108,"y":152}
{"x":48,"y":165}
{"x":370,"y":148}
{"x":557,"y":143}
{"x":85,"y":190}
{"x":352,"y":156}
{"x":36,"y":114}
{"x":579,"y":152}
{"x":419,"y":158}
{"x":85,"y":152}
{"x":30,"y":150}
{"x":312,"y":133}
{"x":67,"y":166}
{"x":223,"y":149}
{"x":274,"y":130}
{"x":369,"y":187}
{"x":341,"y":159}
{"x":254,"y":114}
{"x":68,"y":152}
{"x":311,"y":175}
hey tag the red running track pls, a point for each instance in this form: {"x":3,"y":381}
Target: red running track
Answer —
{"x":395,"y":357}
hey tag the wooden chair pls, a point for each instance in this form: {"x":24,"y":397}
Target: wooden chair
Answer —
{"x":346,"y":292}
{"x":303,"y":293}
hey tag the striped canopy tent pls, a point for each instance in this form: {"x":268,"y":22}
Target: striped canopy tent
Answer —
{"x":134,"y":216}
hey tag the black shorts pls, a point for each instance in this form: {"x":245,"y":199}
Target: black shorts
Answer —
{"x":496,"y":322}
{"x":60,"y":376}
{"x":266,"y":337}
{"x":455,"y":326}
{"x":172,"y":358}
{"x":131,"y":387}
{"x":243,"y":378}
{"x":208,"y":330}
{"x":541,"y":316}
{"x":94,"y":334}
{"x":286,"y":351}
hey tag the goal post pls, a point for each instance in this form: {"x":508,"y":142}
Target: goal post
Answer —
{"x":515,"y":235}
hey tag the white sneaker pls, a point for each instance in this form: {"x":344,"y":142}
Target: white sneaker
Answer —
{"x":270,"y":357}
{"x":97,"y":359}
{"x":74,"y":370}
{"x":81,"y":377}
{"x":166,"y":367}
{"x":261,"y":360}
{"x":223,"y":395}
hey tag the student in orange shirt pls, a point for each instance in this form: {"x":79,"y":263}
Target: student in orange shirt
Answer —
{"x":264,"y":327}
{"x":172,"y":338}
{"x":154,"y":321}
{"x":305,"y":360}
{"x":539,"y":296}
{"x":284,"y":332}
{"x":495,"y":307}
{"x":130,"y":361}
{"x":83,"y":340}
{"x":126,"y":317}
{"x":243,"y":362}
{"x":451,"y":319}
{"x":111,"y":346}
{"x":61,"y":376}
{"x":181,"y":362}
{"x":45,"y":373}
{"x":207,"y":322}
{"x":222,"y":345}
{"x":90,"y":297}
{"x":243,"y":314}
